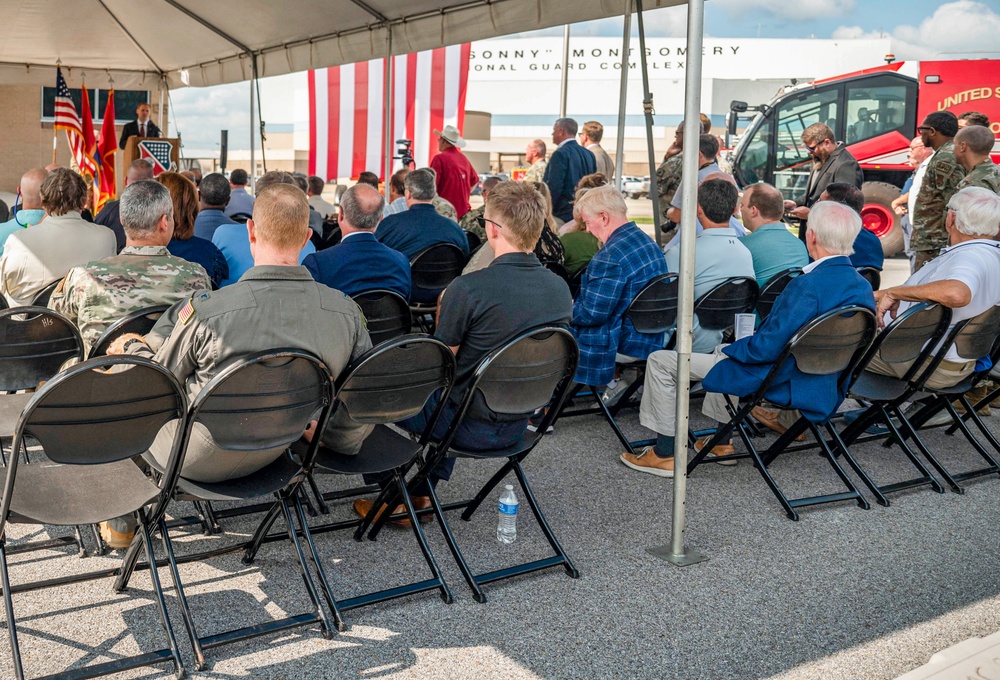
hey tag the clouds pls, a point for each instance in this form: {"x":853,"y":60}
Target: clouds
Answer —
{"x":797,"y":10}
{"x":964,"y":28}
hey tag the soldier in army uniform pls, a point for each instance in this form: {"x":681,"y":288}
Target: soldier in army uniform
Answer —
{"x":144,"y":274}
{"x":668,"y":175}
{"x":973,"y":145}
{"x":939,"y":184}
{"x":534,"y":155}
{"x":276,"y":303}
{"x":471,"y":221}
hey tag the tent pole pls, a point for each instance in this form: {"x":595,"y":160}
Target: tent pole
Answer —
{"x":253,"y":124}
{"x":564,"y":92}
{"x":676,"y":553}
{"x":389,"y":105}
{"x":622,"y":93}
{"x":647,"y":107}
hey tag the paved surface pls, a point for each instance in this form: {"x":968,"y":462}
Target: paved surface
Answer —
{"x":843,"y":593}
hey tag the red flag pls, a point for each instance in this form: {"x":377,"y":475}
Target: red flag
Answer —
{"x":106,"y":148}
{"x":89,"y":141}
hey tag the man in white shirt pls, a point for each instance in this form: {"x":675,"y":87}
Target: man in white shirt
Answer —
{"x":965,"y":277}
{"x":918,"y":159}
{"x":34,"y":258}
{"x":395,"y":201}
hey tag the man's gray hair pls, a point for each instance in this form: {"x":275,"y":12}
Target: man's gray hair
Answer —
{"x":142,"y":205}
{"x":539,"y":146}
{"x":567,"y":125}
{"x":362,"y":205}
{"x":421,"y":184}
{"x":977,"y":211}
{"x":836,"y":227}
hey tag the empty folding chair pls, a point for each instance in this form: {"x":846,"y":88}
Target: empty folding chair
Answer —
{"x":90,"y":423}
{"x":387,"y":314}
{"x":386,"y":385}
{"x":261,"y":402}
{"x":532,"y":370}
{"x":432,"y":269}
{"x":140,"y":321}
{"x":831,"y":344}
{"x":772,"y":289}
{"x":908,"y":341}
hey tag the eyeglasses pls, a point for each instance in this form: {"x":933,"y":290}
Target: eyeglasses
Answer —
{"x":495,"y":224}
{"x":924,"y":127}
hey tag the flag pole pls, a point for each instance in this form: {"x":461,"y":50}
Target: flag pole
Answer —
{"x":55,"y":141}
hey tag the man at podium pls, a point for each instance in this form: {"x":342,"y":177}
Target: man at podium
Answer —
{"x":141,"y":127}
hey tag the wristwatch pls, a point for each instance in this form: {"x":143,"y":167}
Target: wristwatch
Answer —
{"x":129,"y":343}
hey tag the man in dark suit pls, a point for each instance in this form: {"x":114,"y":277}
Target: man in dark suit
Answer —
{"x":739,"y":369}
{"x":832,"y":162}
{"x":359,"y":262}
{"x":568,"y":164}
{"x":142,"y":126}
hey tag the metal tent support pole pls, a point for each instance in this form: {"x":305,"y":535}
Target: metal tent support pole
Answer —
{"x":647,"y":107}
{"x":388,"y":102}
{"x":253,"y":125}
{"x":564,"y":92}
{"x":676,"y":553}
{"x":622,"y":93}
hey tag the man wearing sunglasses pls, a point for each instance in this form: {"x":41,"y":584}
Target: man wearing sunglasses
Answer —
{"x":939,"y":184}
{"x":832,"y":163}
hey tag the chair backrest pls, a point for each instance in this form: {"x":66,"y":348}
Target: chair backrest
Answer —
{"x":654,"y":309}
{"x":264,"y":400}
{"x":474,"y":240}
{"x":872,"y":275}
{"x":240,"y":217}
{"x":557,"y":269}
{"x":773,"y":288}
{"x":433,"y":268}
{"x":575,"y":281}
{"x":3,"y":303}
{"x":34,"y":344}
{"x":393,"y":381}
{"x":140,"y":321}
{"x":976,"y":337}
{"x":88,"y":415}
{"x":911,"y":337}
{"x":833,"y":342}
{"x":41,"y":298}
{"x":387,"y":314}
{"x":717,"y":309}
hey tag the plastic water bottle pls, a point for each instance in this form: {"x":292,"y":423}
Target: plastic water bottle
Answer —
{"x":507,"y":528}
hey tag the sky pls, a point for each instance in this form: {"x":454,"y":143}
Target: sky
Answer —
{"x":919,"y":29}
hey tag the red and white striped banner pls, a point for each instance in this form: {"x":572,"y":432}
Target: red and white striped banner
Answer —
{"x":347,"y":112}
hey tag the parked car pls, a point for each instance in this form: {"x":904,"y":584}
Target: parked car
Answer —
{"x":632,"y":186}
{"x":645,"y":185}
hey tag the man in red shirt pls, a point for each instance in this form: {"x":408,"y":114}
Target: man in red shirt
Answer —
{"x":455,"y":175}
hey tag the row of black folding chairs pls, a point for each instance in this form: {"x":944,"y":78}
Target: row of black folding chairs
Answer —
{"x":94,"y":417}
{"x":844,"y":342}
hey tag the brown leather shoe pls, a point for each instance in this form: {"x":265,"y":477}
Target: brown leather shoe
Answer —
{"x":422,"y":503}
{"x":115,"y":540}
{"x":362,"y":506}
{"x":769,"y":419}
{"x":647,"y":461}
{"x":719,"y":451}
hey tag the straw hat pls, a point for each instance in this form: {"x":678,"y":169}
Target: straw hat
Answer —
{"x":450,"y":135}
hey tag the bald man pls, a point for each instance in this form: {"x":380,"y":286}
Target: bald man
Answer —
{"x":30,"y":211}
{"x":138,"y":170}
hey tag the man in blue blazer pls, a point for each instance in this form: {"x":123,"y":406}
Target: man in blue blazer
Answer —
{"x":739,"y":369}
{"x":566,"y":167}
{"x":626,"y":262}
{"x":359,"y":263}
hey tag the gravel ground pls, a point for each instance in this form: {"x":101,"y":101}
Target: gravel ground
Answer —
{"x":843,"y":593}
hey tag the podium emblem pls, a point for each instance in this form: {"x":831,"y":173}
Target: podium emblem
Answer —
{"x":158,"y":151}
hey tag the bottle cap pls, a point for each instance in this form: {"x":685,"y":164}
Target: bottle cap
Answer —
{"x":509,"y":487}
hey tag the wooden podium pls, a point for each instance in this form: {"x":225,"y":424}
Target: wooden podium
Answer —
{"x":165,"y":152}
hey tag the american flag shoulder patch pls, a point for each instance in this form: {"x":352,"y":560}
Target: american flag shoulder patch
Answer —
{"x":187,"y":311}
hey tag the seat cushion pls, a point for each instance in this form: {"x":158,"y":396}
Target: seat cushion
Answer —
{"x":51,"y":493}
{"x":264,"y":482}
{"x":877,"y":387}
{"x":383,"y":450}
{"x":11,"y":406}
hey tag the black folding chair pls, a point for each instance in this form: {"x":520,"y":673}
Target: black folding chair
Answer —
{"x":3,"y":303}
{"x":41,"y":298}
{"x":475,"y":240}
{"x":90,"y":424}
{"x":575,"y":281}
{"x":532,"y":370}
{"x":652,"y":311}
{"x":975,"y":337}
{"x":830,"y":344}
{"x":386,"y":385}
{"x":872,"y":276}
{"x":431,"y":270}
{"x":140,"y":321}
{"x":909,"y":340}
{"x":772,"y":289}
{"x":240,"y":217}
{"x":259,"y":402}
{"x":717,"y":309}
{"x":387,"y":314}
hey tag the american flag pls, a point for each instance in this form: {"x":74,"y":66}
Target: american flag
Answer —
{"x":67,"y":119}
{"x":347,"y":111}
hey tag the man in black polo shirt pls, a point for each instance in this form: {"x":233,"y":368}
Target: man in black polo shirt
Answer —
{"x":483,"y":310}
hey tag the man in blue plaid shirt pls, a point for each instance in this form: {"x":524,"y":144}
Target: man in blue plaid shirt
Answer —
{"x":625,"y":263}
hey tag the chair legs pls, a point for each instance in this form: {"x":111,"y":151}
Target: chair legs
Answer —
{"x":953,"y":479}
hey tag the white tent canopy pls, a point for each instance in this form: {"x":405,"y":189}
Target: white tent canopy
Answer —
{"x":210,"y":43}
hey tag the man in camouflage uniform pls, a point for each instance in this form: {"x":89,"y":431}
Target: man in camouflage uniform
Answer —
{"x":973,"y":145}
{"x":144,"y":274}
{"x":534,"y":155}
{"x":470,"y":221}
{"x":668,"y":175}
{"x":939,"y":184}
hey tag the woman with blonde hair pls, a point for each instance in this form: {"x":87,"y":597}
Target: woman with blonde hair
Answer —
{"x":185,"y":244}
